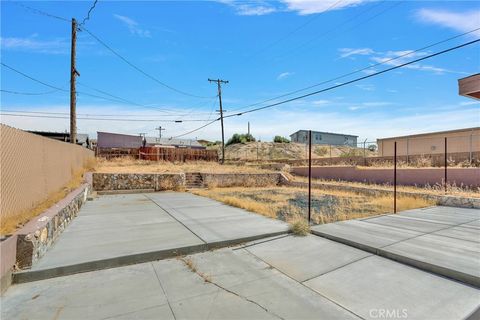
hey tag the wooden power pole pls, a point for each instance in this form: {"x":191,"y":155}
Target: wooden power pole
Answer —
{"x":73,"y":93}
{"x":160,"y":129}
{"x":219,"y":85}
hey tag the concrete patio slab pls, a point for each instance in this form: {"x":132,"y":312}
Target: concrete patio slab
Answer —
{"x":116,"y":230}
{"x":474,"y":224}
{"x":363,"y":235}
{"x":430,"y":215}
{"x":217,"y":223}
{"x":233,"y":283}
{"x":93,"y":295}
{"x":303,"y":258}
{"x":461,"y":232}
{"x":453,"y":251}
{"x":398,"y":221}
{"x":454,"y":258}
{"x":374,"y":285}
{"x":246,"y":276}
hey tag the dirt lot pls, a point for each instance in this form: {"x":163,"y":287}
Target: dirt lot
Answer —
{"x":435,"y":189}
{"x":288,"y":203}
{"x":129,"y":165}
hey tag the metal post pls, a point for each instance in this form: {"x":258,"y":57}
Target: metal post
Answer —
{"x":309,"y":175}
{"x":446,"y":165}
{"x":73,"y":93}
{"x":395,"y":178}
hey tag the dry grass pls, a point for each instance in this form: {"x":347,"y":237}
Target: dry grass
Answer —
{"x":287,"y":203}
{"x":130,"y":165}
{"x":190,"y":264}
{"x":437,"y":189}
{"x":299,"y":226}
{"x":10,"y":223}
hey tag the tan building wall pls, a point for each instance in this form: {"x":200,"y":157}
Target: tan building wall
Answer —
{"x":458,"y":141}
{"x":32,"y":167}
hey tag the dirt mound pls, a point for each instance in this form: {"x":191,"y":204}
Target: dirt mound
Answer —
{"x":272,"y":151}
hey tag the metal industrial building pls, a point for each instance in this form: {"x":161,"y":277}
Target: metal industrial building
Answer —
{"x":458,"y":141}
{"x":319,"y":137}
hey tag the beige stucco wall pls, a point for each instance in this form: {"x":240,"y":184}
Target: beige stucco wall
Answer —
{"x":32,"y":167}
{"x":458,"y":141}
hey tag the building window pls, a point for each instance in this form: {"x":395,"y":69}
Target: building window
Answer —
{"x":318,"y":136}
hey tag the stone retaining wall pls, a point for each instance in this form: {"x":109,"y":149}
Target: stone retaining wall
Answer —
{"x":443,"y":200}
{"x":22,"y":249}
{"x":133,"y":181}
{"x":222,"y":180}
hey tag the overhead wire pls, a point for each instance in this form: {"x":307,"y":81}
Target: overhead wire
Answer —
{"x":358,"y":79}
{"x":80,"y":93}
{"x":89,"y":12}
{"x":146,"y":74}
{"x":103,"y":43}
{"x":408,"y":53}
{"x":2,"y":113}
{"x":341,"y":84}
{"x":29,"y":93}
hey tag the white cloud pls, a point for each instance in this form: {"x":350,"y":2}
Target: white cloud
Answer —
{"x":133,"y":26}
{"x":347,"y":52}
{"x":395,"y":58}
{"x":321,"y":102}
{"x":366,"y":87}
{"x":304,"y":7}
{"x":284,"y":75}
{"x":56,"y":46}
{"x":459,"y":21}
{"x":251,"y":8}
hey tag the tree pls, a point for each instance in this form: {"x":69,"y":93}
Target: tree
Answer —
{"x":280,"y":139}
{"x":240,"y":138}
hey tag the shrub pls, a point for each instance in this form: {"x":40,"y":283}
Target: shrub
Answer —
{"x":372,"y":147}
{"x":299,"y":226}
{"x":280,"y":139}
{"x":240,"y":138}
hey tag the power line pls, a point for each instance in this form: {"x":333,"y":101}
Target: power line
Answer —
{"x":96,"y":115}
{"x":88,"y":14}
{"x":199,"y":128}
{"x":360,"y":70}
{"x":39,"y":12}
{"x":28,"y":93}
{"x":100,"y":119}
{"x":339,"y":85}
{"x":358,"y":79}
{"x":139,"y":69}
{"x":115,"y":98}
{"x":273,"y":43}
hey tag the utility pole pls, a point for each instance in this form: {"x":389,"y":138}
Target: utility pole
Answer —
{"x":73,"y":93}
{"x":160,"y":129}
{"x":219,"y":85}
{"x":248,"y":127}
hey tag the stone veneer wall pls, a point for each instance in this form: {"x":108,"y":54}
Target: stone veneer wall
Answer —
{"x":222,"y":180}
{"x":133,"y":181}
{"x":39,"y":234}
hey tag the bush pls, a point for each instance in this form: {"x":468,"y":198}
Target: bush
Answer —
{"x":372,"y":147}
{"x":240,"y":138}
{"x":280,"y":139}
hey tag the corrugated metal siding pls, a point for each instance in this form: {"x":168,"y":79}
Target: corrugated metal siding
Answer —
{"x":115,"y":140}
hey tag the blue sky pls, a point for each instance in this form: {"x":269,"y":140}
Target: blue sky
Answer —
{"x":264,"y":49}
